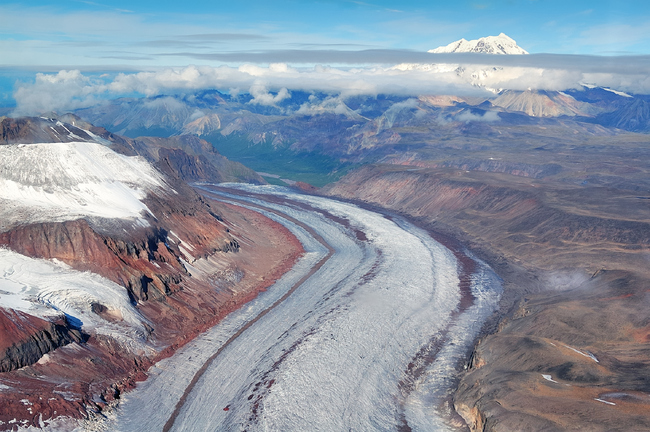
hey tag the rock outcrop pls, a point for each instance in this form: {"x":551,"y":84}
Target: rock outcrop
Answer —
{"x":26,"y":338}
{"x":27,"y":130}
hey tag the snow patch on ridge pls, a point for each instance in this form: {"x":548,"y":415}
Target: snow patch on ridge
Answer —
{"x":587,"y":354}
{"x":66,"y":181}
{"x":620,"y":93}
{"x":549,"y":378}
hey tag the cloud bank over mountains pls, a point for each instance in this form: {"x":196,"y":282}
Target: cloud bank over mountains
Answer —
{"x":381,"y":72}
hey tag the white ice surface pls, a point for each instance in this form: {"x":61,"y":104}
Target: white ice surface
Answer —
{"x":337,"y":348}
{"x":66,"y":181}
{"x":48,"y":289}
{"x":426,"y":408}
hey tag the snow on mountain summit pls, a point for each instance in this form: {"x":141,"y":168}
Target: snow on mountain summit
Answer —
{"x":501,"y":44}
{"x":55,"y":182}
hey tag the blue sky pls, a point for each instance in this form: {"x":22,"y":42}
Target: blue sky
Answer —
{"x":48,"y":36}
{"x":157,"y":33}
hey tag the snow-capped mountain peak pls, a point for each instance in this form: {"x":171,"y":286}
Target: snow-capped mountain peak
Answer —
{"x":501,"y":44}
{"x":55,"y":182}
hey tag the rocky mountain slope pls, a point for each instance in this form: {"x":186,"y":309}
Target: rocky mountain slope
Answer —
{"x":96,"y":249}
{"x":634,"y":116}
{"x":27,"y":130}
{"x":541,"y":104}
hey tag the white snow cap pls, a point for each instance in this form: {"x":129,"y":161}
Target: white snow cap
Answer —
{"x":66,"y":181}
{"x":501,"y":44}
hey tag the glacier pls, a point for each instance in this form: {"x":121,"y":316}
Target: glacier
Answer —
{"x":331,"y":355}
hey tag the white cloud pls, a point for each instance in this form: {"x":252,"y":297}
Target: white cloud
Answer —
{"x":70,"y":89}
{"x":633,"y":83}
{"x":51,"y":92}
{"x":468,"y":116}
{"x":261,"y":95}
{"x":563,"y":281}
{"x":523,"y":78}
{"x":168,"y":103}
{"x":270,"y":85}
{"x":411,"y":103}
{"x":331,"y":104}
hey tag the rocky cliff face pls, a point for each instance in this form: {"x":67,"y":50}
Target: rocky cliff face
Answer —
{"x":25,"y":338}
{"x":142,"y":263}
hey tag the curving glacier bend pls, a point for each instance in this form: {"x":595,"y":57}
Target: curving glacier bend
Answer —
{"x":334,"y":354}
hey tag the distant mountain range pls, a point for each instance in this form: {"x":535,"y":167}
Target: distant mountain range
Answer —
{"x":317,"y":137}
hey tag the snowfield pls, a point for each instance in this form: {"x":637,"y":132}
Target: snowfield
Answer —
{"x":57,"y":182}
{"x":332,"y":355}
{"x":47,"y":289}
